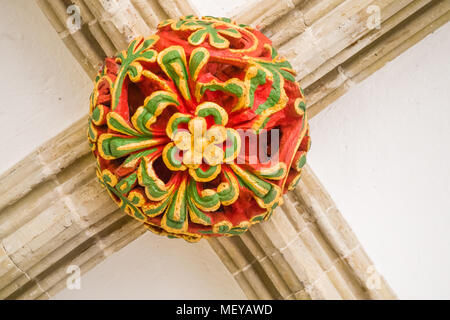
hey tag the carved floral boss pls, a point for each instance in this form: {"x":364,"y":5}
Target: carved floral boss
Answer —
{"x":171,"y":124}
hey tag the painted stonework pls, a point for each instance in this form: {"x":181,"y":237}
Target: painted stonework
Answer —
{"x":176,"y":124}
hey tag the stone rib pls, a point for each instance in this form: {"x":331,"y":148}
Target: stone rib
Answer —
{"x":108,"y":26}
{"x":306,"y":251}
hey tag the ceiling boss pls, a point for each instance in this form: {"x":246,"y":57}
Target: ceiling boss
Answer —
{"x":178,"y":122}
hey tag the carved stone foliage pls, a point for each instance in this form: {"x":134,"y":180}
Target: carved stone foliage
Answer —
{"x":200,"y":129}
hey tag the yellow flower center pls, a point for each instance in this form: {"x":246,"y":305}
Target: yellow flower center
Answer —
{"x":200,"y":143}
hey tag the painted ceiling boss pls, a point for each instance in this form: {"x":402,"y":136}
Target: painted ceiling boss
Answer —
{"x":200,"y":129}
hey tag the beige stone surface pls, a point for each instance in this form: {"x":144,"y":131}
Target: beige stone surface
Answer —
{"x":307,"y":251}
{"x":306,"y":248}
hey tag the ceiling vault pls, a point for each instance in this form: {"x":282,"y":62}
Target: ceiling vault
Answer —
{"x":53,"y":212}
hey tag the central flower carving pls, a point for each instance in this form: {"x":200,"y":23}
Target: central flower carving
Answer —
{"x":201,"y":143}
